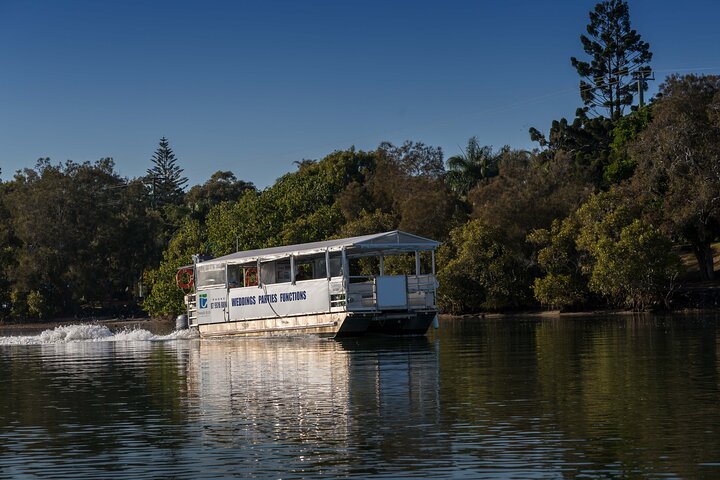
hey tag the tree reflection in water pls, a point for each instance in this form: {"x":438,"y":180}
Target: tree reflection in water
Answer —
{"x":507,"y":398}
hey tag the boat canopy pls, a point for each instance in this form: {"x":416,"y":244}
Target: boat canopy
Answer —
{"x":387,"y":243}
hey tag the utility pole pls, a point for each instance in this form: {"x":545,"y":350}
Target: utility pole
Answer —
{"x":642,"y":76}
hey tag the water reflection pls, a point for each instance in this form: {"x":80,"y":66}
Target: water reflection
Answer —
{"x":643,"y":392}
{"x":317,"y":405}
{"x":510,"y":398}
{"x":618,"y":397}
{"x":78,"y":407}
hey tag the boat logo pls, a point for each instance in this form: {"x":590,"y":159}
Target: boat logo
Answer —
{"x":203,"y":300}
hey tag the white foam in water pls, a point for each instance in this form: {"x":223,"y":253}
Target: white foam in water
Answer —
{"x":94,"y":333}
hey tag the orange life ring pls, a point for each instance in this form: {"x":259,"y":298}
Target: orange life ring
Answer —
{"x":185,"y":278}
{"x":251,"y":277}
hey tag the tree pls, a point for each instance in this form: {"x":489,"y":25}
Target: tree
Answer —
{"x":480,"y":270}
{"x":605,"y":249}
{"x":415,"y":158}
{"x":474,"y":164}
{"x":165,"y":178}
{"x":678,"y":155}
{"x":529,"y":194}
{"x":80,"y":236}
{"x":165,"y":297}
{"x":8,"y":254}
{"x":299,"y":207}
{"x":222,"y":186}
{"x":565,"y":283}
{"x":587,"y":140}
{"x":617,"y":52}
{"x":637,"y":270}
{"x":408,"y":183}
{"x":622,"y":164}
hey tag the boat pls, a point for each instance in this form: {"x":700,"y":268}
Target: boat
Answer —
{"x":382,"y":283}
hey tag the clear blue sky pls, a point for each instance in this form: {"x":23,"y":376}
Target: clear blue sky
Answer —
{"x":253,"y":86}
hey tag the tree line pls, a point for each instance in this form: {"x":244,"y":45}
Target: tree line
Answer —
{"x":594,"y":216}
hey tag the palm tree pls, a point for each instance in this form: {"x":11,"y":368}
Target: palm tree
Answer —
{"x":473,"y":165}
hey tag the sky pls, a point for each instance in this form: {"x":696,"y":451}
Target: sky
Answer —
{"x":252,"y":86}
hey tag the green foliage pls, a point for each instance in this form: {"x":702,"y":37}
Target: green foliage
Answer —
{"x":604,"y":249}
{"x":636,"y":271}
{"x":320,"y":224}
{"x":529,"y":193}
{"x":586,"y":140}
{"x":616,"y":51}
{"x":18,"y":303}
{"x":222,"y":186}
{"x":79,"y":235}
{"x":165,"y":297}
{"x":677,"y":173}
{"x":621,"y":164}
{"x":39,"y":305}
{"x":414,"y":159}
{"x":480,"y":271}
{"x":368,"y":223}
{"x":412,"y":199}
{"x":559,"y":290}
{"x":565,"y":284}
{"x":8,"y":245}
{"x":299,"y":207}
{"x":474,"y":164}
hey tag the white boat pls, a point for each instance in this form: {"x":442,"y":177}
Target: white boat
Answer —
{"x":381,"y":283}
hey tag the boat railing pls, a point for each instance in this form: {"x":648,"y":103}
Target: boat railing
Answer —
{"x":362,"y":292}
{"x":191,"y":303}
{"x":421,"y":291}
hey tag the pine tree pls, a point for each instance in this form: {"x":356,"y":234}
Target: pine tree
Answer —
{"x":165,"y":178}
{"x":617,"y":56}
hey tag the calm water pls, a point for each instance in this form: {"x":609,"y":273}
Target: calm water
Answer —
{"x":512,"y":398}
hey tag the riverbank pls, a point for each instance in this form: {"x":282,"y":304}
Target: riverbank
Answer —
{"x":167,"y":325}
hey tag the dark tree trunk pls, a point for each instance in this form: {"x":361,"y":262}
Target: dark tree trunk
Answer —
{"x":704,"y":255}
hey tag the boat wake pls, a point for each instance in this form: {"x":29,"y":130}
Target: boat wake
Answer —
{"x":94,"y":333}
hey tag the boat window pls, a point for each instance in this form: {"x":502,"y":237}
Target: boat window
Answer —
{"x":335,"y":266}
{"x":211,"y":275}
{"x":306,"y":268}
{"x":250,"y":277}
{"x":282,"y":271}
{"x":401,"y":264}
{"x":242,"y":276}
{"x":235,"y":278}
{"x":364,"y":266}
{"x":304,"y":271}
{"x":267,"y":273}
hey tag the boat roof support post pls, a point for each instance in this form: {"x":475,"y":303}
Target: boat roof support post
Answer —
{"x":259,"y":277}
{"x":345,"y":268}
{"x":327,"y":263}
{"x":382,"y":265}
{"x":417,"y":262}
{"x":433,"y":261}
{"x":292,"y":269}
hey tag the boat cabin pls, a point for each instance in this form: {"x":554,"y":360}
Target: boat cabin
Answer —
{"x":381,"y":283}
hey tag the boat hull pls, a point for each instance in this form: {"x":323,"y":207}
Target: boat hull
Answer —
{"x":341,"y":324}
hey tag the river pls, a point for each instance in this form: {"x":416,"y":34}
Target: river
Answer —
{"x":516,"y":397}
